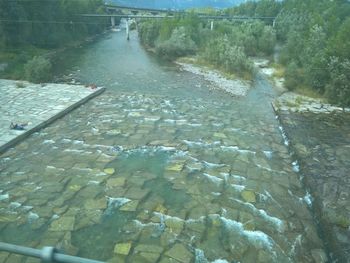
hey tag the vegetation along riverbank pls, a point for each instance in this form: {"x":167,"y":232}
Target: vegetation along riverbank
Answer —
{"x":313,"y":36}
{"x":32,"y":32}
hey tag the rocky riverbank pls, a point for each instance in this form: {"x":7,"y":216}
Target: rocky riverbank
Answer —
{"x":318,"y":135}
{"x":233,"y":87}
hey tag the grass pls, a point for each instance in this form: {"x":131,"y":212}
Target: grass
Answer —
{"x":308,"y":92}
{"x":279,"y":70}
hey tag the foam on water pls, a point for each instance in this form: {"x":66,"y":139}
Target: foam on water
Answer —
{"x":278,"y":223}
{"x":268,"y":154}
{"x":307,"y":199}
{"x":48,"y":142}
{"x":295,"y":166}
{"x":237,"y":149}
{"x":15,"y":205}
{"x":32,"y":217}
{"x":213,"y":179}
{"x":4,"y":197}
{"x":285,"y":138}
{"x":258,"y":239}
{"x":200,"y":257}
{"x":238,"y":187}
{"x":213,"y":165}
{"x":115,"y":202}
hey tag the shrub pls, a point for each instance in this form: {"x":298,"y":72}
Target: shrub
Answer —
{"x":338,"y":89}
{"x":293,"y":76}
{"x":232,"y":58}
{"x":179,"y":44}
{"x":38,"y":70}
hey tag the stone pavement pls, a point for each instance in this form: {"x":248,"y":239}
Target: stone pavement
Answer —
{"x":320,"y":138}
{"x":36,"y":104}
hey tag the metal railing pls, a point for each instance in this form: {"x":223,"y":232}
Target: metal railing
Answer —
{"x":46,"y":254}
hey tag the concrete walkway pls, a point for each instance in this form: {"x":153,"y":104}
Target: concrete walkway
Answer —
{"x":35,"y":104}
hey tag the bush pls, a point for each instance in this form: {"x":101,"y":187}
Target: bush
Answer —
{"x":293,"y":76}
{"x":338,"y":89}
{"x":180,"y":44}
{"x":232,"y":58}
{"x":38,"y":70}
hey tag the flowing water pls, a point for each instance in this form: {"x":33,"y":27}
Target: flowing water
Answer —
{"x":157,"y":169}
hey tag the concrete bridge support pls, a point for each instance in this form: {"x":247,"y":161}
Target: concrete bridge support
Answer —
{"x":127,"y":30}
{"x":211,"y":25}
{"x":113,"y":21}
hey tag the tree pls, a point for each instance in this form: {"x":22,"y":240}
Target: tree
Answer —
{"x":338,"y":89}
{"x":179,"y":44}
{"x":38,"y":70}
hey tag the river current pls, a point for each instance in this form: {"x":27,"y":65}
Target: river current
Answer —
{"x":159,"y":168}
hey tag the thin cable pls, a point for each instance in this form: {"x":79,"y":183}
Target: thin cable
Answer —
{"x":51,"y":22}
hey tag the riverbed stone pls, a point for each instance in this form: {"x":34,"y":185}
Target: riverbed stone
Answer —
{"x":123,"y":248}
{"x":65,"y":223}
{"x":88,"y":218}
{"x":136,"y":193}
{"x":94,"y":204}
{"x":248,"y":196}
{"x":180,"y":253}
{"x":130,"y":206}
{"x":319,"y":255}
{"x":177,"y":167}
{"x":175,"y":224}
{"x":148,"y":248}
{"x":116,"y":182}
{"x":109,"y":171}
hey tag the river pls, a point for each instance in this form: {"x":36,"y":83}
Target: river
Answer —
{"x":157,"y":169}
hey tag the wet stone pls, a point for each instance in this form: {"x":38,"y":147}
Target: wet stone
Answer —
{"x":175,"y":224}
{"x":179,"y":253}
{"x":148,"y":248}
{"x":115,"y":182}
{"x":122,"y":248}
{"x":248,"y":196}
{"x":319,"y":255}
{"x":89,"y":218}
{"x":96,"y":204}
{"x":136,"y":193}
{"x":130,"y":206}
{"x":109,"y":171}
{"x":149,"y":257}
{"x":175,"y":167}
{"x":65,"y":223}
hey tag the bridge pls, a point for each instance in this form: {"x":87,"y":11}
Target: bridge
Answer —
{"x":117,"y":11}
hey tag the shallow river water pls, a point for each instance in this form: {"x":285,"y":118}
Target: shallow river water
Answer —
{"x":157,"y":169}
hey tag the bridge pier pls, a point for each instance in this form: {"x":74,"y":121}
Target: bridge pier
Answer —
{"x":211,"y":25}
{"x":127,"y":30}
{"x":113,"y":21}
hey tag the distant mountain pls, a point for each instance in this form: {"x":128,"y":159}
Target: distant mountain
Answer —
{"x":176,"y":4}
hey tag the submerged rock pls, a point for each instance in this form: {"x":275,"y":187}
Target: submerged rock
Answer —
{"x":65,"y":223}
{"x":109,"y":171}
{"x":180,"y":253}
{"x":130,"y":206}
{"x":122,"y":248}
{"x":248,"y":196}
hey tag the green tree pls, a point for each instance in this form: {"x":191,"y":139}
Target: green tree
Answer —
{"x":338,"y":89}
{"x":38,"y":70}
{"x":179,"y":44}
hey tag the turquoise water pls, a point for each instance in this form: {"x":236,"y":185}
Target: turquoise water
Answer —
{"x":157,"y":169}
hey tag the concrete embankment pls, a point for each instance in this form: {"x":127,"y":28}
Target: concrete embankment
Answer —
{"x":36,"y":105}
{"x":319,"y":137}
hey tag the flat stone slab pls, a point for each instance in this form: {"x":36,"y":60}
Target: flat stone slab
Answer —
{"x":36,"y":104}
